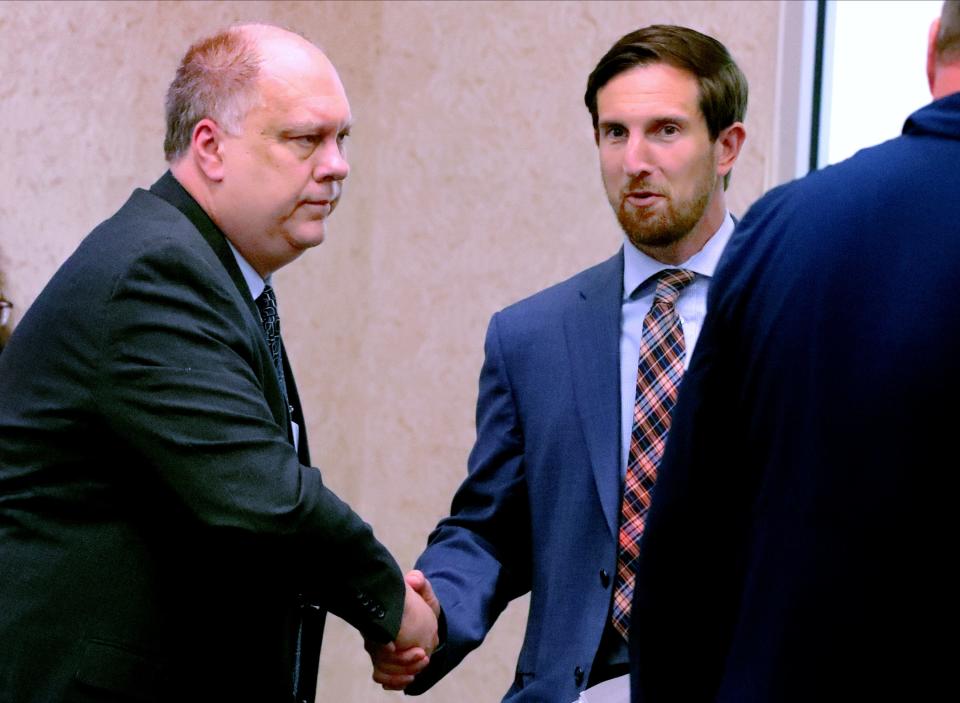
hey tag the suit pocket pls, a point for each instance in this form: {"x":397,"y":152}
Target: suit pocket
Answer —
{"x":113,"y":667}
{"x":521,"y":679}
{"x":523,"y":676}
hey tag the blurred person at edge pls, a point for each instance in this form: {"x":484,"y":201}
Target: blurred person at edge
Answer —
{"x":6,"y":309}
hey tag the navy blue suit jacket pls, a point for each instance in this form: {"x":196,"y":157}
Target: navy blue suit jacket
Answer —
{"x":799,"y":545}
{"x":539,"y":509}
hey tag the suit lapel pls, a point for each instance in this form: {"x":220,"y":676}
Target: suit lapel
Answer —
{"x":296,"y":413}
{"x":171,"y":191}
{"x":593,"y":341}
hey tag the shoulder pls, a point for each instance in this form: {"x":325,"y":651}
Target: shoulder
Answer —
{"x":145,"y":222}
{"x":852,"y":225}
{"x":550,"y":303}
{"x":883,"y":187}
{"x":147,"y":246}
{"x":146,"y":232}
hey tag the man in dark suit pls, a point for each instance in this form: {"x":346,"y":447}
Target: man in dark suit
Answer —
{"x":798,"y":546}
{"x":541,"y":508}
{"x":162,"y":535}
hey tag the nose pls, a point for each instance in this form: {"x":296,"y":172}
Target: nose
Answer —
{"x":331,"y":163}
{"x":637,"y":158}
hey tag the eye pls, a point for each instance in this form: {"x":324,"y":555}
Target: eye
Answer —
{"x":614,"y":131}
{"x":670,"y":130}
{"x":306,"y":140}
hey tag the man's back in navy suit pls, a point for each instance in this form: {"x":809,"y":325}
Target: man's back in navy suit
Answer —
{"x":812,"y":561}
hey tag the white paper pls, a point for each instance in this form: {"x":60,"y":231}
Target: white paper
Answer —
{"x":613,"y":691}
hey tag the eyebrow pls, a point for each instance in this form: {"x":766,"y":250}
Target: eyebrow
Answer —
{"x":657,"y":121}
{"x":609,"y":123}
{"x":310,"y":127}
{"x":665,"y":119}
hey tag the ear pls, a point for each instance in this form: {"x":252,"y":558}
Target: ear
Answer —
{"x":207,"y":148}
{"x":729,"y":142}
{"x":932,"y":53}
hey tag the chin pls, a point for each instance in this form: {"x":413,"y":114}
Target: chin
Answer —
{"x":309,"y":237}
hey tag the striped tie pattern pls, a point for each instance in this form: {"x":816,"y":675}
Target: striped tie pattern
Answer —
{"x":267,"y":305}
{"x":658,"y":379}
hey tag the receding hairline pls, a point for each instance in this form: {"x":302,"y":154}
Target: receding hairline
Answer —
{"x":260,"y":30}
{"x":274,"y":43}
{"x":263,"y":35}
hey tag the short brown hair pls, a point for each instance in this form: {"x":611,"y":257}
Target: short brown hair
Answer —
{"x":217,"y":79}
{"x":948,"y":38}
{"x":723,"y":87}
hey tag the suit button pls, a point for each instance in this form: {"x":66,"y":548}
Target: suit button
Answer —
{"x":381,"y":613}
{"x":604,"y":578}
{"x":578,"y":676}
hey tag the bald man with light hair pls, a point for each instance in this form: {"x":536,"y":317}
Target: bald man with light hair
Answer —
{"x":163,"y":535}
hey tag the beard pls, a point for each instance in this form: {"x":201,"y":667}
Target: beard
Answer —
{"x":665,"y":227}
{"x":668,"y":224}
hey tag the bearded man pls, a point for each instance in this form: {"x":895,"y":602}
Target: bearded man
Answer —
{"x":579,"y":381}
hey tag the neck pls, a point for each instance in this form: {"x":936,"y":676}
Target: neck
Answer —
{"x":946,"y":80}
{"x":199,"y":188}
{"x":194,"y":184}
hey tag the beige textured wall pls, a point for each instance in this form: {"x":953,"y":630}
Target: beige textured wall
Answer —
{"x":475,"y":182}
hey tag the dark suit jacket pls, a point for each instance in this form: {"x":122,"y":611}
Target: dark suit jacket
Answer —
{"x":540,"y":507}
{"x":799,"y":543}
{"x":160,"y":539}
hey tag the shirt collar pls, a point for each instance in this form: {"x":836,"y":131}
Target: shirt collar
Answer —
{"x":250,"y":275}
{"x":638,"y":267}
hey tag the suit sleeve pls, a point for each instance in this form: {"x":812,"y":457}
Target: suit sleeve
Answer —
{"x":180,"y":381}
{"x":478,"y":559}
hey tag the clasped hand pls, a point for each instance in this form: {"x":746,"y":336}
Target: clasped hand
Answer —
{"x":396,"y":664}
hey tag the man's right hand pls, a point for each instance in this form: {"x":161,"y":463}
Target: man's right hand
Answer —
{"x":396,"y":664}
{"x":421,"y":585}
{"x":418,"y":627}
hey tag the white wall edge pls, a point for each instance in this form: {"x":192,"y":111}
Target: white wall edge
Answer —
{"x":793,"y":96}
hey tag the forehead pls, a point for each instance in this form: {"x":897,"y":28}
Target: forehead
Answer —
{"x":302,"y":89}
{"x":649,"y":91}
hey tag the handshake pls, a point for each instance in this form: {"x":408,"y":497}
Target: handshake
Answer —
{"x":396,"y":664}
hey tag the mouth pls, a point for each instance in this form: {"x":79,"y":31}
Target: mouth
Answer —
{"x":642,"y":198}
{"x":320,"y":206}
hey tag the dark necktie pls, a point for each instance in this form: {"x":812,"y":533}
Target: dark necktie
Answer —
{"x":267,"y":304}
{"x":658,"y":380}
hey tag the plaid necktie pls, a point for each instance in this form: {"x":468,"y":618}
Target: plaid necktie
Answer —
{"x":267,"y":304}
{"x":658,"y":379}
